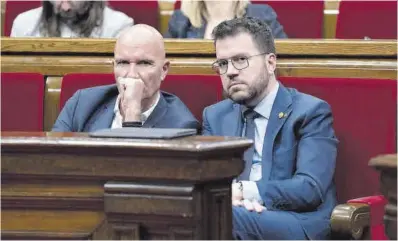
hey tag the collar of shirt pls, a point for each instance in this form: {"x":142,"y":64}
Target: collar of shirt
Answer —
{"x":265,"y":106}
{"x":144,"y":115}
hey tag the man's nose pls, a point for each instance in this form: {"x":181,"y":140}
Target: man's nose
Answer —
{"x":231,"y":70}
{"x":65,"y":5}
{"x":132,"y":71}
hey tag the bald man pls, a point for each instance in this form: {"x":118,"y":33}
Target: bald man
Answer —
{"x":135,"y":100}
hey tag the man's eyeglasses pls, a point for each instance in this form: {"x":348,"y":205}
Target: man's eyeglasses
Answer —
{"x":239,"y":63}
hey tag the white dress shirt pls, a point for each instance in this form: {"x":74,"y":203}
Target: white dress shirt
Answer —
{"x":250,"y":190}
{"x":118,"y":119}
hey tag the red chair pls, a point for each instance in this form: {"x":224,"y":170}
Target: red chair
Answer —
{"x":196,"y":91}
{"x":373,"y":19}
{"x":290,"y":15}
{"x":22,"y":101}
{"x":146,"y":12}
{"x":365,"y":119}
{"x":13,"y":8}
{"x":74,"y":82}
{"x":300,"y":19}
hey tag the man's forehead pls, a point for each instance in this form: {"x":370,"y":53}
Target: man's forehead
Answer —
{"x":241,"y":43}
{"x":134,"y":51}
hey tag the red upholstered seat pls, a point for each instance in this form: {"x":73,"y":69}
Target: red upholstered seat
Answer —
{"x":143,"y":11}
{"x":290,"y":15}
{"x":74,"y":82}
{"x":13,"y":8}
{"x":300,"y":19}
{"x":373,"y":19}
{"x":196,"y":91}
{"x":365,"y":119}
{"x":22,"y":101}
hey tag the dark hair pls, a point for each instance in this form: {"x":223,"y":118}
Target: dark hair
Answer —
{"x":92,"y":16}
{"x":259,"y":30}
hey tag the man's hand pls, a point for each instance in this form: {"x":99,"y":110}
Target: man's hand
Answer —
{"x":131,"y":96}
{"x":238,"y":200}
{"x":237,"y":195}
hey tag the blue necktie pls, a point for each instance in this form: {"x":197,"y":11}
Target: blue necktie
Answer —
{"x":250,"y":115}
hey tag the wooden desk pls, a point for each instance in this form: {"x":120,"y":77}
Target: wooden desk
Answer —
{"x":70,"y":186}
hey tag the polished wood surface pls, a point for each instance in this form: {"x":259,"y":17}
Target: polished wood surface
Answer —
{"x":387,"y":166}
{"x":72,"y":186}
{"x":312,"y":47}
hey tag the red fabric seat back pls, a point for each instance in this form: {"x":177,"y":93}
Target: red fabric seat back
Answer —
{"x":13,"y":8}
{"x":22,"y":101}
{"x":300,"y":19}
{"x":146,"y":12}
{"x":196,"y":91}
{"x":365,"y":120}
{"x":74,"y":82}
{"x":290,"y":15}
{"x":373,"y":19}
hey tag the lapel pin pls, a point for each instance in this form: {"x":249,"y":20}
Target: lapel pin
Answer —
{"x":281,"y":115}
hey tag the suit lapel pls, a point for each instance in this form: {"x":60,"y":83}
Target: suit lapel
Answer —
{"x":234,"y":120}
{"x":103,"y":117}
{"x":281,"y":109}
{"x":157,"y":113}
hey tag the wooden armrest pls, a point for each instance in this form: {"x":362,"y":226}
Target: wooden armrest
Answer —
{"x":348,"y":221}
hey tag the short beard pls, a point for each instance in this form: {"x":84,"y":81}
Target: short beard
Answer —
{"x":254,"y":93}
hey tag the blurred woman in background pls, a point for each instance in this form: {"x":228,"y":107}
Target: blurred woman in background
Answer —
{"x":196,"y":19}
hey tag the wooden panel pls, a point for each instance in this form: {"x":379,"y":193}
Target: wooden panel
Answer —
{"x":301,"y":47}
{"x":154,"y":189}
{"x":166,"y":10}
{"x":61,"y":65}
{"x":67,"y":222}
{"x":51,"y":101}
{"x":331,"y":11}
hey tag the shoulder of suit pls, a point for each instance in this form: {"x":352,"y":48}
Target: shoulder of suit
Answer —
{"x":222,"y":105}
{"x":30,"y":17}
{"x":174,"y":102}
{"x":113,"y":18}
{"x":305,"y":101}
{"x":98,"y":90}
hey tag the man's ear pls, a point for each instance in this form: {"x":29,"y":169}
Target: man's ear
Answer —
{"x":165,"y":69}
{"x":271,"y":63}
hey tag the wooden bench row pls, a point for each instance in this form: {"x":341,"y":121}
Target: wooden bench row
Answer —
{"x":55,"y":58}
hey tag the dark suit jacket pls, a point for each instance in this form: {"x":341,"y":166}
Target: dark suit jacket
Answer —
{"x":180,"y":26}
{"x":298,"y":159}
{"x":93,"y":109}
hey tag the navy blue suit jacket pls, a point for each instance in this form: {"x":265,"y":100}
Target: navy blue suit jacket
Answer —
{"x":93,"y":109}
{"x":180,"y":26}
{"x":298,"y":159}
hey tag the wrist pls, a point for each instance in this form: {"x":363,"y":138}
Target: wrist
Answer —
{"x":132,"y":115}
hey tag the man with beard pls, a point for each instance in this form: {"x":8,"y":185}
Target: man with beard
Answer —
{"x":286,"y":190}
{"x":135,"y":100}
{"x":70,"y":19}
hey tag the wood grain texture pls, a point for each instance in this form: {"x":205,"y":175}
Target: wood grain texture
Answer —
{"x":51,"y":101}
{"x":345,"y":68}
{"x":71,"y":186}
{"x":302,"y":47}
{"x":60,"y":221}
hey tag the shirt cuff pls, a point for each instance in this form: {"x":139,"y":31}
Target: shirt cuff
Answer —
{"x":250,"y":191}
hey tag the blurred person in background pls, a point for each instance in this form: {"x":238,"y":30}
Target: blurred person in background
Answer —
{"x":71,"y":19}
{"x":196,"y":19}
